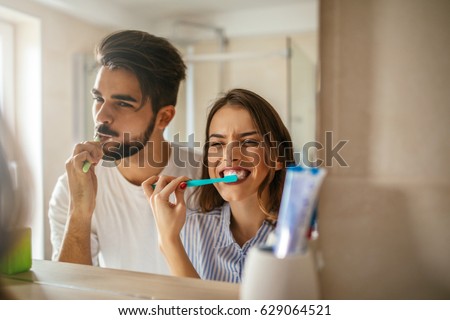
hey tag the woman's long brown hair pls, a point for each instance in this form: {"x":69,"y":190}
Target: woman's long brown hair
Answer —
{"x":276,"y":139}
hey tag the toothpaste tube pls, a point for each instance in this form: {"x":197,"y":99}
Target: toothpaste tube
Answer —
{"x":301,"y":188}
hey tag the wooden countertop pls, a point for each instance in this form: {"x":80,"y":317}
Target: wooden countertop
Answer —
{"x":59,"y":280}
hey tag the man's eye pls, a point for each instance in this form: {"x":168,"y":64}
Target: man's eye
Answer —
{"x":124,"y":104}
{"x":98,"y":99}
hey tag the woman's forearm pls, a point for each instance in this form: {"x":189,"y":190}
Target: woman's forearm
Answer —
{"x":177,"y":259}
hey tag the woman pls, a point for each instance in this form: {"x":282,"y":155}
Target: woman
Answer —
{"x":244,"y":136}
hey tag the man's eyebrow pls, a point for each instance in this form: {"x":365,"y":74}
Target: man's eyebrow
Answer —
{"x":124,"y":97}
{"x":241,"y":135}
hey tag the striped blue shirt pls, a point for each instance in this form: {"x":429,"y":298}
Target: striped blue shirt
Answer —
{"x":210,"y":245}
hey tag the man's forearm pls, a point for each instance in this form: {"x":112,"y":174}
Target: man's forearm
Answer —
{"x":76,"y":244}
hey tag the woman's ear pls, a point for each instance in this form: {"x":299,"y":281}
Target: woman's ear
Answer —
{"x":164,"y":116}
{"x":278,"y":166}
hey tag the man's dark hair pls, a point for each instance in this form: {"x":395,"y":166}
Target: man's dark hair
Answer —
{"x":156,"y":63}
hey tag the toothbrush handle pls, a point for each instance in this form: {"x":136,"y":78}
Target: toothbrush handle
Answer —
{"x":203,"y":182}
{"x":198,"y":183}
{"x":87,"y":164}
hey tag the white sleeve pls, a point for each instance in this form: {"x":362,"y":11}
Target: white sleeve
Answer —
{"x":57,"y":214}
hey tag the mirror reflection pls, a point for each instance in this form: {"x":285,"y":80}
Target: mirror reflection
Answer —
{"x":269,"y":48}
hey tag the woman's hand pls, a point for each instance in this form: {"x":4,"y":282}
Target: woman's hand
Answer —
{"x":170,"y":217}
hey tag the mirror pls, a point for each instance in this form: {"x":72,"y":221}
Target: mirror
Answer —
{"x":268,"y":46}
{"x":280,"y":66}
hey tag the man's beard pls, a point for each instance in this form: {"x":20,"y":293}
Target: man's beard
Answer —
{"x":113,"y":151}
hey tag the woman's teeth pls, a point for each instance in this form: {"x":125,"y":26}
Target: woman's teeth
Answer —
{"x":241,"y":174}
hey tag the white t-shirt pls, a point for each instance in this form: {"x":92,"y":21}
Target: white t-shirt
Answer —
{"x":123,"y":233}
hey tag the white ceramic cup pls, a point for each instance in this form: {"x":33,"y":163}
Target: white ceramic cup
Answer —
{"x":267,"y":277}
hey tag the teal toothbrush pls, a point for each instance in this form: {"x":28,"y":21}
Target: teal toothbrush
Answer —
{"x":202,"y":182}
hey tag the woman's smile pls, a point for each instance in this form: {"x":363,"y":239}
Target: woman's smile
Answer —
{"x":235,"y":149}
{"x":241,"y":173}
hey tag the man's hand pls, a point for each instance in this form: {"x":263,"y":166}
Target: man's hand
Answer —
{"x":76,"y":245}
{"x":83,"y":186}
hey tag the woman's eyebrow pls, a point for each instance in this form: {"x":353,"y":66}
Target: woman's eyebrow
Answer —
{"x":241,"y":135}
{"x":216,"y":135}
{"x":245,"y":134}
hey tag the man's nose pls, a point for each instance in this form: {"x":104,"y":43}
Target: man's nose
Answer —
{"x":103,"y":113}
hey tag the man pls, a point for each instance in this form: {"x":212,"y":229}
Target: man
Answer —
{"x":101,"y":216}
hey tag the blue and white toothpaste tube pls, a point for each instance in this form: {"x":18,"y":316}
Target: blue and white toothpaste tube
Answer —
{"x":301,"y":188}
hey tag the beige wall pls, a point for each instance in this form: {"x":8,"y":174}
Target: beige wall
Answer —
{"x":61,"y":36}
{"x":267,"y":75}
{"x":385,"y":219}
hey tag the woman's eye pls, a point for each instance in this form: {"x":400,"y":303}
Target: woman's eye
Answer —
{"x":214,"y":144}
{"x":249,"y":143}
{"x":215,"y":147}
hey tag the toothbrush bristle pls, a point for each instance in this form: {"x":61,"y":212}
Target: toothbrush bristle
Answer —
{"x":231,"y":178}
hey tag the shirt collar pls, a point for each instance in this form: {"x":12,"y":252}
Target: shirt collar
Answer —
{"x":225,"y":237}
